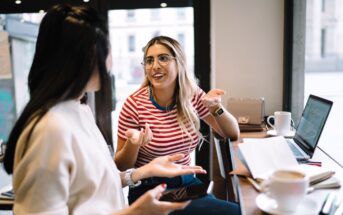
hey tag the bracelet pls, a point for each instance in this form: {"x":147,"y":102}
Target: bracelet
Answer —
{"x":128,"y":179}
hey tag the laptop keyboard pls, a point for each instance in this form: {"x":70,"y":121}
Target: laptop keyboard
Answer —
{"x":294,"y":149}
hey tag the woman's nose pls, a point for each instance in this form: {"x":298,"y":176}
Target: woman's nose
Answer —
{"x":156,"y":64}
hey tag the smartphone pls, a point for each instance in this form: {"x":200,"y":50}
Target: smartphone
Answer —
{"x":187,"y":193}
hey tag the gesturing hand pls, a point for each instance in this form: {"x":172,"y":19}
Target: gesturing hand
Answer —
{"x":141,"y":137}
{"x":212,"y":98}
{"x":166,"y":167}
{"x":148,"y":204}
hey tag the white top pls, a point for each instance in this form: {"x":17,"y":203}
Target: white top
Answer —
{"x":66,"y":167}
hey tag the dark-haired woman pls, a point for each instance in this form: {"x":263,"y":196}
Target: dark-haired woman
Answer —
{"x":57,"y":153}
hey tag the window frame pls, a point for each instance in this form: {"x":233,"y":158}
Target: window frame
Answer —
{"x":294,"y":57}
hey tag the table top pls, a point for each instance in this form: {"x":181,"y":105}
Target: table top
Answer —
{"x":248,"y":194}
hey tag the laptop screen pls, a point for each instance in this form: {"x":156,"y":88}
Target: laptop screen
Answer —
{"x":313,"y":120}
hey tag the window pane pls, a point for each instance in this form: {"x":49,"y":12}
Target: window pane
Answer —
{"x":155,"y":14}
{"x":130,"y":14}
{"x":148,"y":23}
{"x":181,"y":39}
{"x":18,"y":33}
{"x":132,"y":41}
{"x":324,"y":67}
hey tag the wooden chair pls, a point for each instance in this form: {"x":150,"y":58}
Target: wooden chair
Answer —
{"x":6,"y":205}
{"x":226,"y":165}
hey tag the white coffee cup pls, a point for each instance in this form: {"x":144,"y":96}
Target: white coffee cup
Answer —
{"x":287,"y":187}
{"x":282,"y":122}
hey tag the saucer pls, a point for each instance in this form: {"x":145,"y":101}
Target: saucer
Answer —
{"x":273,"y":133}
{"x":267,"y":204}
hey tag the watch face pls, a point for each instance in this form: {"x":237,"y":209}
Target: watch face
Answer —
{"x":220,"y":111}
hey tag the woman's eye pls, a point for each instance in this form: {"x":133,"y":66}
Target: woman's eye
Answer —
{"x":163,"y":58}
{"x":149,"y":61}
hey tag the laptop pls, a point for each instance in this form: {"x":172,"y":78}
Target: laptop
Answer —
{"x":310,"y":127}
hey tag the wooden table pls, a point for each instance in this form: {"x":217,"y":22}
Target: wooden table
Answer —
{"x":248,"y":194}
{"x":6,"y":204}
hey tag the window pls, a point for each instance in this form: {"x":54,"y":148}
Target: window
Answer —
{"x":181,"y":39}
{"x":323,"y":5}
{"x":127,"y":66}
{"x":323,"y":65}
{"x":130,"y":14}
{"x":18,"y":33}
{"x":181,"y":13}
{"x":156,"y":33}
{"x":200,"y":31}
{"x":155,"y":14}
{"x":322,"y":43}
{"x":132,"y":41}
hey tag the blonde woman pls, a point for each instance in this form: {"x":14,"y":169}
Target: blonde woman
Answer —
{"x":169,"y":106}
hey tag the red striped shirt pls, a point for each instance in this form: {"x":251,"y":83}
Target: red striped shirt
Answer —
{"x":168,"y":137}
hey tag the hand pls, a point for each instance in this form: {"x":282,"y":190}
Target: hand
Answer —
{"x":212,"y":98}
{"x":150,"y":205}
{"x":165,"y":166}
{"x":141,"y":138}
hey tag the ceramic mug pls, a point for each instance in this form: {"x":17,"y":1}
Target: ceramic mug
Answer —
{"x":288,"y":188}
{"x":282,"y":122}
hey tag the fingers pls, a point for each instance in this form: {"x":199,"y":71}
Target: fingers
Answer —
{"x":190,"y":170}
{"x":216,"y":92}
{"x":157,"y":191}
{"x":213,"y":97}
{"x":191,"y":167}
{"x":147,"y":126}
{"x":200,"y":171}
{"x":147,"y":135}
{"x":211,"y":101}
{"x":181,"y":205}
{"x":129,"y":133}
{"x":150,"y":200}
{"x":172,"y":206}
{"x":134,"y":136}
{"x":219,"y":92}
{"x":193,"y":170}
{"x":148,"y":132}
{"x":216,"y":100}
{"x":141,"y":137}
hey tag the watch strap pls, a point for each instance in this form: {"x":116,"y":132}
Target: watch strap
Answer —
{"x":128,"y":178}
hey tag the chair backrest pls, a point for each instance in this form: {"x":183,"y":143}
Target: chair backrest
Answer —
{"x":226,"y":164}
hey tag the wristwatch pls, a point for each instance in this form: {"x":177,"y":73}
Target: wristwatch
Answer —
{"x":219,"y":111}
{"x":128,"y":179}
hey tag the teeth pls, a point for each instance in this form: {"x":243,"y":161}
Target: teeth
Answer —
{"x":157,"y":75}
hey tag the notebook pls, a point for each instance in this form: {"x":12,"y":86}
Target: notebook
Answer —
{"x":310,"y":127}
{"x":261,"y":156}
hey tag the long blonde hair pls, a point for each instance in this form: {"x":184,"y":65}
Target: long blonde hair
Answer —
{"x":186,"y":86}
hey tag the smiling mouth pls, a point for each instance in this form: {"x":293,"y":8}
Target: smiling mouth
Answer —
{"x":157,"y":76}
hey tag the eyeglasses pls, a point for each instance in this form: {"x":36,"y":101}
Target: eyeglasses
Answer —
{"x":162,"y":59}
